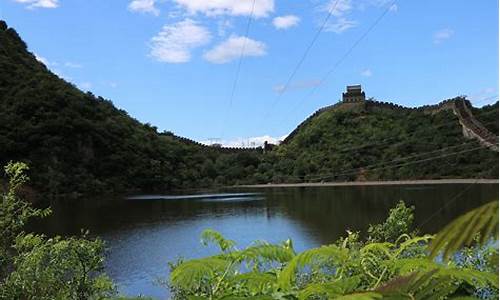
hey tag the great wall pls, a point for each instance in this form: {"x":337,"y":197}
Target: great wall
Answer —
{"x":460,"y":107}
{"x":354,"y":100}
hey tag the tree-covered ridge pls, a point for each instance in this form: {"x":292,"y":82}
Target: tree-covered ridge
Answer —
{"x":78,"y":143}
{"x":368,"y":143}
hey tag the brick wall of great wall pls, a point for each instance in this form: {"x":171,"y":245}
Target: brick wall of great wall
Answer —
{"x":220,"y":149}
{"x":460,"y":106}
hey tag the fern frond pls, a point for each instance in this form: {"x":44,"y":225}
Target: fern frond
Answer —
{"x":435,"y":289}
{"x":409,"y":265}
{"x":461,"y":231}
{"x":429,"y":280}
{"x":191,"y":274}
{"x":384,"y":248}
{"x":258,"y":297}
{"x":471,"y":276}
{"x":255,"y":281}
{"x":310,"y":257}
{"x":361,"y":296}
{"x":266,"y":252}
{"x":212,"y":236}
{"x":418,"y":285}
{"x":330,"y":289}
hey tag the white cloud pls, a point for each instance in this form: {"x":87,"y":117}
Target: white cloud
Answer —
{"x":144,"y":6}
{"x":343,"y":12}
{"x":73,"y":65}
{"x":284,"y":22}
{"x":173,"y":44}
{"x":366,"y":73}
{"x":484,"y":96}
{"x":42,"y":59}
{"x":298,"y":85}
{"x":250,"y":142}
{"x":233,"y":47}
{"x":261,"y":8}
{"x":340,"y":25}
{"x":85,"y":85}
{"x":223,"y":26}
{"x":39,"y":3}
{"x":442,"y":35}
{"x":338,"y":8}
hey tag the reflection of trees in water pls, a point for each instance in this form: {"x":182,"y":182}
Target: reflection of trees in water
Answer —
{"x":108,"y":214}
{"x":325,"y":212}
{"x":330,"y":211}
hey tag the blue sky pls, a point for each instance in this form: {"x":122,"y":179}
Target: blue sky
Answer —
{"x":173,"y":63}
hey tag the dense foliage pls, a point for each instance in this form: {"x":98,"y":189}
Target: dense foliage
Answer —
{"x":383,"y":144}
{"x":391,"y":264}
{"x":77,"y":143}
{"x":37,"y":267}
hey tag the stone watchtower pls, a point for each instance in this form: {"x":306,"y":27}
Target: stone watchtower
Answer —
{"x":354,"y":94}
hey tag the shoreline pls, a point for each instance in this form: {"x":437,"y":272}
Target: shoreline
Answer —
{"x":371,"y":183}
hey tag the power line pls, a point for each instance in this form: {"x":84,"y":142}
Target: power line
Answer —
{"x":384,"y":141}
{"x":375,"y":166}
{"x":238,"y":68}
{"x":457,"y":195}
{"x":346,"y":54}
{"x":303,"y":57}
{"x":405,"y":164}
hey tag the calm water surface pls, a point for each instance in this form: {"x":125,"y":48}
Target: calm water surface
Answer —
{"x":145,"y":232}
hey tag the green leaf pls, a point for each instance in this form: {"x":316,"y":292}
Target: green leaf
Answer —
{"x":313,"y":256}
{"x":190,"y":274}
{"x":212,"y":236}
{"x":461,"y":232}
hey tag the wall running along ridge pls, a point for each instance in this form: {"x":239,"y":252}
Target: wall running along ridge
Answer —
{"x":471,"y":127}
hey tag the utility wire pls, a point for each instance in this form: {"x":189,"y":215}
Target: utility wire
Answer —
{"x":375,"y":166}
{"x":452,"y":199}
{"x":303,"y":57}
{"x":386,"y":140}
{"x":238,"y":69}
{"x":342,"y":58}
{"x":357,"y":169}
{"x":406,"y":164}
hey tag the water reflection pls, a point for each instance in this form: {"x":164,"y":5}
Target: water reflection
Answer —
{"x":145,"y":232}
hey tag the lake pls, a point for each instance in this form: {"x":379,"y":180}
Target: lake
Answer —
{"x":144,"y":232}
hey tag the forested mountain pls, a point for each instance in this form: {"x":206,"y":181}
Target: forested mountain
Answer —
{"x":77,"y":143}
{"x":380,"y":141}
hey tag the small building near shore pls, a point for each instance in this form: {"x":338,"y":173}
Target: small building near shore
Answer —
{"x":354,"y":93}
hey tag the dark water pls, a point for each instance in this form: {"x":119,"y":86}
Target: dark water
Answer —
{"x":143,"y":233}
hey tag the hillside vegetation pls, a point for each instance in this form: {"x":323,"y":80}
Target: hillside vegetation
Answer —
{"x":77,"y":143}
{"x":371,"y":143}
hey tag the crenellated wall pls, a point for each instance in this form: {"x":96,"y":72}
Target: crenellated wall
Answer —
{"x":472,"y":128}
{"x":220,"y":149}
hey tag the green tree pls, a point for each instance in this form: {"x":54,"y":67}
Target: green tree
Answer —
{"x":37,"y":267}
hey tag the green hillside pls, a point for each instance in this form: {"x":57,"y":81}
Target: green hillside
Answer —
{"x":381,"y":142}
{"x":77,"y":143}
